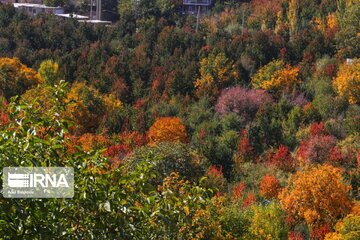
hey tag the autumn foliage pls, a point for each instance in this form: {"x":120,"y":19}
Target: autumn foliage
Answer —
{"x":269,"y":187}
{"x":238,"y":190}
{"x":167,"y":129}
{"x":86,"y":106}
{"x":49,"y":71}
{"x":317,"y":195}
{"x":243,"y":102}
{"x":318,"y":148}
{"x":16,"y":77}
{"x":281,"y":158}
{"x":276,"y":76}
{"x":216,"y":71}
{"x":215,"y":178}
{"x":241,"y":123}
{"x":347,"y":82}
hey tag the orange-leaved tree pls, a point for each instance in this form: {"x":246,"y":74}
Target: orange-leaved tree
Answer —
{"x":15,"y":77}
{"x":347,"y":82}
{"x":167,"y":129}
{"x":269,"y":187}
{"x":317,"y":195}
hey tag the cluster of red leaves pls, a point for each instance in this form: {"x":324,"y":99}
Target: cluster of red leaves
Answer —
{"x":337,"y":157}
{"x":4,"y":117}
{"x":318,"y":147}
{"x":202,"y":133}
{"x":245,"y":148}
{"x":330,"y":70}
{"x":290,"y":220}
{"x":90,"y":141}
{"x":269,"y":187}
{"x":281,"y":159}
{"x":317,"y":129}
{"x":319,"y":232}
{"x":249,"y":200}
{"x":126,"y":143}
{"x":215,"y":172}
{"x":117,"y":148}
{"x":238,"y":191}
{"x":215,"y":179}
{"x":295,"y":236}
{"x":132,"y":139}
{"x":117,"y":153}
{"x":119,"y":87}
{"x":140,"y":103}
{"x":70,"y":143}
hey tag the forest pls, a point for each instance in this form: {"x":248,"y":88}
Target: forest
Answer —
{"x":243,"y":123}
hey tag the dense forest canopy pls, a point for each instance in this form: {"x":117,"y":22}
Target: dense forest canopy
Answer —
{"x":242,"y":124}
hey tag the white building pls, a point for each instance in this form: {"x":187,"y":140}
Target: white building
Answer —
{"x":34,"y":9}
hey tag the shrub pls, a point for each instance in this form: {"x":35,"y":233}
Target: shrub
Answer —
{"x":86,"y":106}
{"x":49,"y":71}
{"x":295,"y":236}
{"x":215,"y":178}
{"x":238,"y":191}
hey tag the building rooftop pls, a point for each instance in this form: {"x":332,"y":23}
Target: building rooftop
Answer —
{"x":96,"y":21}
{"x":70,"y":15}
{"x":33,"y":5}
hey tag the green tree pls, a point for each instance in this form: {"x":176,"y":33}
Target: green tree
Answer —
{"x":55,"y":3}
{"x":348,"y":38}
{"x":49,"y":71}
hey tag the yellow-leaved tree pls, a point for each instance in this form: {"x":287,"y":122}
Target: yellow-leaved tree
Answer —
{"x":167,"y":129}
{"x":347,"y":81}
{"x":216,"y":71}
{"x":16,"y":78}
{"x":49,"y":71}
{"x":86,"y":106}
{"x":276,"y":76}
